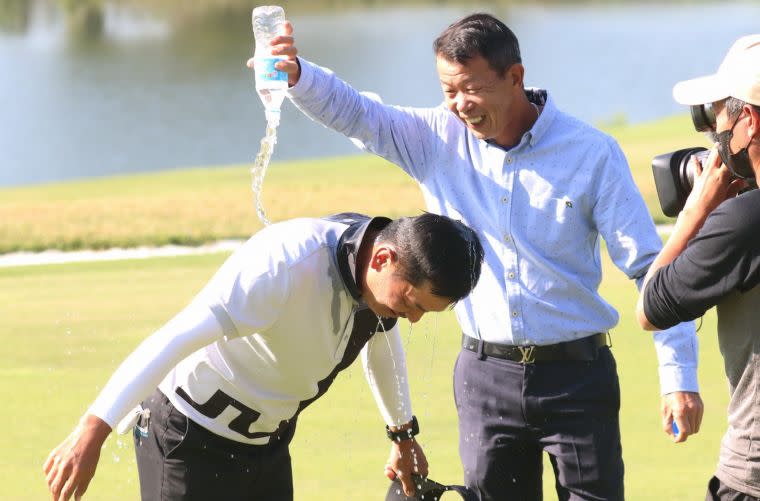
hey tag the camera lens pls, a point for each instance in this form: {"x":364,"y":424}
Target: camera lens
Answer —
{"x":674,"y":177}
{"x":703,"y":117}
{"x":688,"y":169}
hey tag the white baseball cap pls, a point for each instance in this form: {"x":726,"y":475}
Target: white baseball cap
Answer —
{"x":738,"y":76}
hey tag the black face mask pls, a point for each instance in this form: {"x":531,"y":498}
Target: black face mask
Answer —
{"x":738,"y":163}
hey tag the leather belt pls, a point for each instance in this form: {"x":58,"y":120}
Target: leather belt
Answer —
{"x":584,"y":349}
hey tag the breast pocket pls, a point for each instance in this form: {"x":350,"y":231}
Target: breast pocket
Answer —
{"x":555,"y":222}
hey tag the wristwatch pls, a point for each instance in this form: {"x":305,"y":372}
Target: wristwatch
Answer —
{"x":398,"y":436}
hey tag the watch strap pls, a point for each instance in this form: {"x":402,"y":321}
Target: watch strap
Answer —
{"x":406,"y":434}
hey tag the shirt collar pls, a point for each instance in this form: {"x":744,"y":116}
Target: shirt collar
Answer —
{"x":540,"y":97}
{"x":349,"y":244}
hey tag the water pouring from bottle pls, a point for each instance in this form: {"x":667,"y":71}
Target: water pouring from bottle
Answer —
{"x":271,"y":84}
{"x":259,"y":169}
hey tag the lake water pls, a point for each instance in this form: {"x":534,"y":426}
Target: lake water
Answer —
{"x":152,"y":91}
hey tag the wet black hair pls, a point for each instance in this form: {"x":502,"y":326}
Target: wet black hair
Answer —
{"x":479,"y":34}
{"x":437,"y":249}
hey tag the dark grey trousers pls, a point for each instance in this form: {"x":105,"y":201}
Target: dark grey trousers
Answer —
{"x":509,"y":413}
{"x":718,"y":491}
{"x":179,"y":460}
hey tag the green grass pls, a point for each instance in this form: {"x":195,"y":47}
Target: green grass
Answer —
{"x":192,"y":206}
{"x":641,"y":143}
{"x":66,"y":327}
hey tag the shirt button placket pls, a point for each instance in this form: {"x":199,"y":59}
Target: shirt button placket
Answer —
{"x":513,"y":292}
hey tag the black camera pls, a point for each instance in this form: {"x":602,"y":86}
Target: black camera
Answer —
{"x":674,"y":177}
{"x":673,"y":174}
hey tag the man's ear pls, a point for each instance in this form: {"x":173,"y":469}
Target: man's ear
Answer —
{"x":516,"y":74}
{"x":382,"y":256}
{"x":754,"y":122}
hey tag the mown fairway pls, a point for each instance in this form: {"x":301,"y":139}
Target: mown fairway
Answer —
{"x":65,"y":328}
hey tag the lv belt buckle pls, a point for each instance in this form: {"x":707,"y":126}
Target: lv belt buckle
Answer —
{"x":527,"y":354}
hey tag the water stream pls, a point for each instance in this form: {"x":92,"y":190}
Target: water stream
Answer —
{"x":259,"y":169}
{"x":398,"y":381}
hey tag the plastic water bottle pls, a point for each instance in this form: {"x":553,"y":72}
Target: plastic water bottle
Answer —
{"x":271,"y":83}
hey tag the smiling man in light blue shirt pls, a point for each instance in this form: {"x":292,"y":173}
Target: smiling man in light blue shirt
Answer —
{"x":542,"y":189}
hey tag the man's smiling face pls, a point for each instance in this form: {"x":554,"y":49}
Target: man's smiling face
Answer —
{"x":480,"y":97}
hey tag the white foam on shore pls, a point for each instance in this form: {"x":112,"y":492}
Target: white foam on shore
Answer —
{"x":115,"y":254}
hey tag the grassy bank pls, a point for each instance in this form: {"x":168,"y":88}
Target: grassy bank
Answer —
{"x":66,"y":327}
{"x":192,"y":206}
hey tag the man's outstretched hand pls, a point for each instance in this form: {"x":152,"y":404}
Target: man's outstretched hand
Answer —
{"x":284,"y":45}
{"x":70,"y":467}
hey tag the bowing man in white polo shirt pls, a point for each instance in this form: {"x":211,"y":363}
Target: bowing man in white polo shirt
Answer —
{"x":268,"y":334}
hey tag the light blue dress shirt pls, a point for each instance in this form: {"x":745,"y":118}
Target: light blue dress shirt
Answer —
{"x":541,"y":209}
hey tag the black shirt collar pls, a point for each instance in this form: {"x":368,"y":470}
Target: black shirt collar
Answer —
{"x":349,"y":244}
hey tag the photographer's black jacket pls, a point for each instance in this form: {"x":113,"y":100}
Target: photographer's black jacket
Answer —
{"x":724,"y":257}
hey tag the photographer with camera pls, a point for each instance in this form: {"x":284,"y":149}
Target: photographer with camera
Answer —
{"x":713,"y":255}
